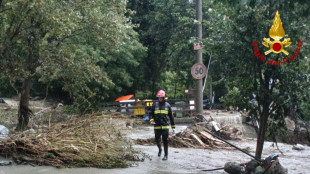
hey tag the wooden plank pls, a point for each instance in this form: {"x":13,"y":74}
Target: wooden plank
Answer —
{"x":198,"y":139}
{"x":208,"y":136}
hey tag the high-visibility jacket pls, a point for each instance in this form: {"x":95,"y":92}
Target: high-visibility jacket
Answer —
{"x":161,"y":114}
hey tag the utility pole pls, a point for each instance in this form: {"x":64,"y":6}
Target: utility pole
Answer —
{"x":199,"y":92}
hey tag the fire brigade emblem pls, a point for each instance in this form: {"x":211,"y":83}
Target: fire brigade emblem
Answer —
{"x":276,"y":32}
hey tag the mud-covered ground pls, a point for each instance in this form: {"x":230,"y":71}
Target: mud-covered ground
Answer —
{"x":182,"y":160}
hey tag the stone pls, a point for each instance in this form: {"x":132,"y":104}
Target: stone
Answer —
{"x":4,"y":132}
{"x":1,"y":100}
{"x":251,"y":166}
{"x":298,"y":147}
{"x":259,"y":170}
{"x":232,"y":168}
{"x":5,"y":163}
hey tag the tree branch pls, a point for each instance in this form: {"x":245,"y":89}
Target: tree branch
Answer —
{"x":3,"y":10}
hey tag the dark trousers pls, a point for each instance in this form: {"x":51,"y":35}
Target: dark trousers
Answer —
{"x":164,"y":133}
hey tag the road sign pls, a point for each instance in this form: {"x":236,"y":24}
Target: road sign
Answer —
{"x":190,"y":91}
{"x":197,"y":46}
{"x":198,"y":71}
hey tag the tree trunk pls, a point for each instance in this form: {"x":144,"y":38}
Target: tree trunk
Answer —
{"x":263,"y":115}
{"x":261,"y":136}
{"x":175,"y":88}
{"x":23,"y":109}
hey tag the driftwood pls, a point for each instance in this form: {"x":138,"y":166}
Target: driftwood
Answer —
{"x":195,"y":137}
{"x":191,"y":138}
{"x":89,"y":141}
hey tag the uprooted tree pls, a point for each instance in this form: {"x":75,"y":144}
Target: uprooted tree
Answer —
{"x":60,"y":40}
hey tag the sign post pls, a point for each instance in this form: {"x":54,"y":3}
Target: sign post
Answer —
{"x":198,"y":72}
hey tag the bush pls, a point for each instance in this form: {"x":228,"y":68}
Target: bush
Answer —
{"x":232,"y":98}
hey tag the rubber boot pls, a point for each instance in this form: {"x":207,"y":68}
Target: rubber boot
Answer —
{"x":159,"y":152}
{"x":165,"y":157}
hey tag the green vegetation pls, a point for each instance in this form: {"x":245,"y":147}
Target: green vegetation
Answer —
{"x":233,"y":98}
{"x":88,"y":52}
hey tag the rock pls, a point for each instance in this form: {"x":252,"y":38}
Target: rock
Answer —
{"x":4,"y":132}
{"x":259,"y":170}
{"x":251,"y":166}
{"x":5,"y":163}
{"x":298,"y":147}
{"x":232,"y":168}
{"x":1,"y":100}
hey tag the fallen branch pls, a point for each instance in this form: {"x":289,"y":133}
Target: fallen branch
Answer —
{"x":88,"y":141}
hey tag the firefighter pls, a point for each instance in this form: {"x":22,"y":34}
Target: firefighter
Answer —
{"x":161,"y":116}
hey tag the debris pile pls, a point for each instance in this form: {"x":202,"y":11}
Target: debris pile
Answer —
{"x":270,"y":165}
{"x":229,"y":132}
{"x":88,"y":141}
{"x":191,"y":138}
{"x":297,"y":132}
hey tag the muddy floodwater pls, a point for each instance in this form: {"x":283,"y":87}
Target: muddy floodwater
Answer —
{"x":182,"y":160}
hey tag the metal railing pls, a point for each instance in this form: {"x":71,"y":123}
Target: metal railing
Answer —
{"x":137,"y":107}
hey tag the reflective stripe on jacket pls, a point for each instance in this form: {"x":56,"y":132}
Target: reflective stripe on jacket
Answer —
{"x":161,"y":114}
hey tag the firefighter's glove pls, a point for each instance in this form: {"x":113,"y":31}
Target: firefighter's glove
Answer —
{"x":152,"y":121}
{"x":173,"y":131}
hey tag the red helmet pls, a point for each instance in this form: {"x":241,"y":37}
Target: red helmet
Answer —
{"x":161,"y":93}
